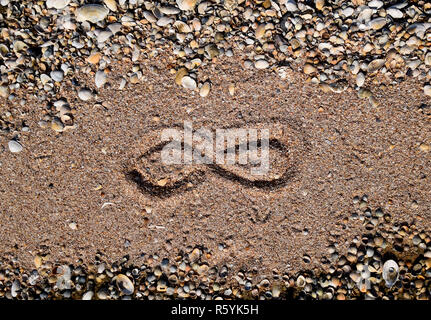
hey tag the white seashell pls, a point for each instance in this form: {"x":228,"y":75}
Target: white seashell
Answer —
{"x":57,"y":75}
{"x":91,"y":12}
{"x":300,"y":282}
{"x":164,"y":21}
{"x":124,"y":284}
{"x":85,"y":94}
{"x":14,"y":146}
{"x":104,"y":36}
{"x":376,"y":4}
{"x":63,"y":280}
{"x":360,"y":79}
{"x":44,"y":78}
{"x":347,"y":12}
{"x":57,"y":4}
{"x":88,"y":295}
{"x":100,"y":79}
{"x":261,"y":64}
{"x":169,"y":10}
{"x":149,"y":16}
{"x":291,"y":6}
{"x":390,"y":273}
{"x":365,"y":15}
{"x":111,"y":4}
{"x":122,"y":84}
{"x":115,"y":28}
{"x":394,"y":13}
{"x":188,"y":83}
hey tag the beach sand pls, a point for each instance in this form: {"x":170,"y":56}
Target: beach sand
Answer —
{"x":347,"y":148}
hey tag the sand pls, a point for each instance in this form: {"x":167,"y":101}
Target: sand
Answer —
{"x":345,"y":148}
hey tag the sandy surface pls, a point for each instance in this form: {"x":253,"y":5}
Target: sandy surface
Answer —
{"x":344,"y":148}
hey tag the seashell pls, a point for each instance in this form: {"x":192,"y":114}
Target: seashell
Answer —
{"x":261,"y":64}
{"x":16,"y":286}
{"x":66,"y":119}
{"x":85,"y":94}
{"x":91,"y":12}
{"x":365,"y":15}
{"x":64,"y":273}
{"x":111,"y":4}
{"x":376,"y":65}
{"x":57,"y":125}
{"x":57,"y":4}
{"x":377,"y":23}
{"x":57,"y":75}
{"x":395,"y":13}
{"x":186,"y":4}
{"x":181,"y":73}
{"x":182,"y":27}
{"x":4,"y":91}
{"x":124,"y":284}
{"x":300,"y":282}
{"x":390,"y":273}
{"x":339,"y":86}
{"x":260,"y":31}
{"x":202,"y":7}
{"x":4,"y":50}
{"x":212,"y":51}
{"x":149,"y":16}
{"x":360,"y":79}
{"x":319,"y":4}
{"x":376,"y":4}
{"x":309,"y":69}
{"x":188,"y":82}
{"x":205,"y":89}
{"x":14,"y":146}
{"x":19,"y":46}
{"x":164,"y":21}
{"x":115,"y":28}
{"x":88,"y":295}
{"x":169,"y":10}
{"x":291,"y":5}
{"x":104,"y":36}
{"x":100,"y":79}
{"x":44,"y":78}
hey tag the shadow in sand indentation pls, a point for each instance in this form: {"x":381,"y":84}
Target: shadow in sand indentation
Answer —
{"x":181,"y":178}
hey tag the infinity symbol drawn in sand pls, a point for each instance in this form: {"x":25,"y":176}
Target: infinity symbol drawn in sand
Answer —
{"x":286,"y":148}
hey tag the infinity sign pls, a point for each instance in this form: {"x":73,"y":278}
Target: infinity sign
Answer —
{"x":286,"y":146}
